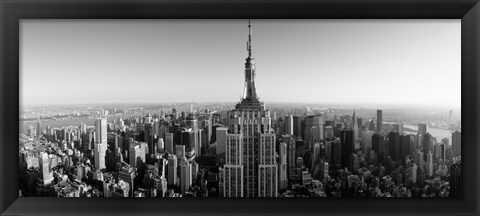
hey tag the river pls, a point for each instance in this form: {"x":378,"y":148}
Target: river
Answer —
{"x":435,"y":132}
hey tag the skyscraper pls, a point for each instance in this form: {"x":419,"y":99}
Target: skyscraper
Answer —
{"x":200,"y":142}
{"x":148,"y":137}
{"x":233,"y":168}
{"x":180,"y":152}
{"x":366,"y":140}
{"x":46,"y":175}
{"x":413,"y":172}
{"x":313,"y":129}
{"x":429,"y":164}
{"x":354,"y":127}
{"x":421,"y":175}
{"x":405,"y":146}
{"x":188,"y":139}
{"x":191,"y":122}
{"x":378,"y":146}
{"x":172,"y":169}
{"x":100,"y":142}
{"x":315,"y":156}
{"x":398,"y":128}
{"x":348,"y":145}
{"x":289,"y":125}
{"x":169,"y":143}
{"x":291,"y":156}
{"x":127,"y":174}
{"x":379,"y":122}
{"x":418,"y":158}
{"x":282,"y":170}
{"x":422,"y":128}
{"x":371,"y":125}
{"x":137,"y":151}
{"x":185,"y":176}
{"x":394,"y":145}
{"x":336,"y":153}
{"x":323,"y":169}
{"x":328,"y":150}
{"x":251,"y":121}
{"x":221,"y":138}
{"x":457,"y":143}
{"x":427,"y":144}
{"x":297,"y":126}
{"x":39,"y":129}
{"x":160,"y":146}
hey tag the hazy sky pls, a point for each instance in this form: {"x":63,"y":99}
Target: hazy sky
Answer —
{"x":376,"y":62}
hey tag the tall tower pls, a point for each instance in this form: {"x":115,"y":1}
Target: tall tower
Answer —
{"x":289,"y":125}
{"x":172,"y":169}
{"x":185,"y":176}
{"x":100,"y":142}
{"x":46,"y":174}
{"x":249,"y":93}
{"x":354,"y":126}
{"x":249,"y":124}
{"x":282,"y":170}
{"x":39,"y":130}
{"x":429,"y":164}
{"x":379,"y":122}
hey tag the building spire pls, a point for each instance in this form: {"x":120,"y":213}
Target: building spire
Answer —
{"x":249,"y":93}
{"x":249,"y":42}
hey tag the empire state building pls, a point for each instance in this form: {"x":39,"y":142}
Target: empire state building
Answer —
{"x":250,"y":168}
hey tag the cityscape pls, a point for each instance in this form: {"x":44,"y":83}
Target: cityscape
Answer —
{"x":246,"y":148}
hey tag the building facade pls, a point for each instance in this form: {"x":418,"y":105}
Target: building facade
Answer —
{"x":251,"y":122}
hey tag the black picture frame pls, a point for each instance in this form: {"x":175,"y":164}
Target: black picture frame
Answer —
{"x":12,"y":11}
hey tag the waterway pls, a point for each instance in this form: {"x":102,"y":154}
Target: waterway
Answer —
{"x":435,"y":132}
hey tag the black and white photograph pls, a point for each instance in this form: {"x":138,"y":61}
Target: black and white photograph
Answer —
{"x":221,"y":108}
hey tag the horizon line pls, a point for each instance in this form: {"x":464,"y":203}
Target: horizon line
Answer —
{"x":395,"y":105}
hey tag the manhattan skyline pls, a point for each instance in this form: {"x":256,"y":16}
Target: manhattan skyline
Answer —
{"x":193,"y":150}
{"x":399,"y":61}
